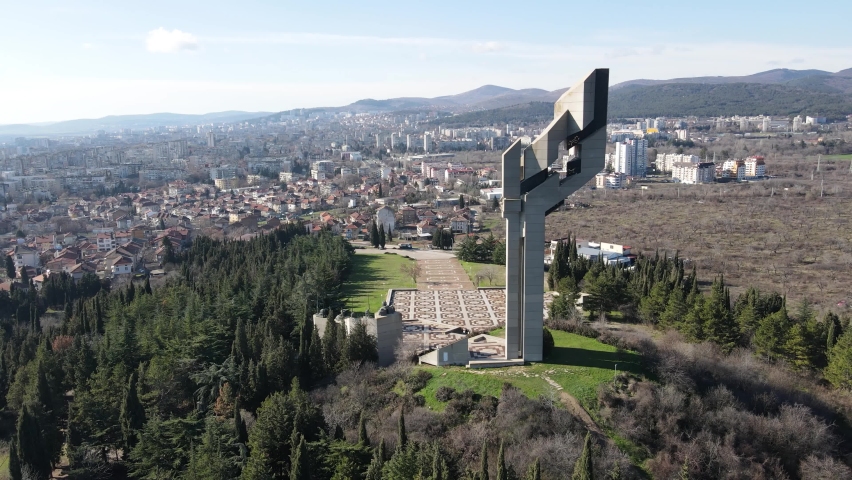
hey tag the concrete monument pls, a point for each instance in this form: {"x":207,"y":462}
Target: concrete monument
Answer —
{"x":535,"y":184}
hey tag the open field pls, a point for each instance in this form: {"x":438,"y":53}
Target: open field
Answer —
{"x":778,"y":235}
{"x":577,"y":364}
{"x":473,"y":268}
{"x":371,"y":277}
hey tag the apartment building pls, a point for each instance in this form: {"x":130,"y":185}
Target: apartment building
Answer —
{"x":693,"y":173}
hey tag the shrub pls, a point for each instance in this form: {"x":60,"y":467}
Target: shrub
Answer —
{"x":444,"y":394}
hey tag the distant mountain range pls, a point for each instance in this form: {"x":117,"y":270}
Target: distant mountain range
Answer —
{"x":777,"y":92}
{"x":114,"y":122}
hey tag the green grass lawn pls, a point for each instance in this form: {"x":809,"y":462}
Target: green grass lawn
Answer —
{"x":371,"y":277}
{"x":4,"y":465}
{"x":473,"y":268}
{"x":578,"y":364}
{"x":837,"y":157}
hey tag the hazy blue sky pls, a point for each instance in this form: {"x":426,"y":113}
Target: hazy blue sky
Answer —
{"x":75,"y":59}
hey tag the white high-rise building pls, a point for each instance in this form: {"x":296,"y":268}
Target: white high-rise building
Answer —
{"x":427,"y":142}
{"x":408,"y":143}
{"x":631,"y":157}
{"x":693,"y":173}
{"x":797,"y":123}
{"x":211,"y":139}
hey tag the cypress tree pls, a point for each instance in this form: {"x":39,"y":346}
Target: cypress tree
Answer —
{"x":374,"y":471}
{"x":483,"y":462}
{"x":338,"y":433}
{"x":31,"y":447}
{"x":14,"y":462}
{"x":148,"y":289}
{"x":10,"y":267}
{"x":534,"y":472}
{"x":363,"y":439}
{"x":132,"y":415}
{"x":382,"y":238}
{"x":583,"y":468}
{"x":315,"y":353}
{"x":402,"y":437}
{"x":374,"y":235}
{"x":684,"y":470}
{"x":330,"y":352}
{"x":239,"y":424}
{"x":502,"y":474}
{"x":298,"y":463}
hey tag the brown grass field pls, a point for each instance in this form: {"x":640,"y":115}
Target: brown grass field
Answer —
{"x":778,"y":235}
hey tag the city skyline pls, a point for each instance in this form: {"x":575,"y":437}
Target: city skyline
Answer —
{"x":90,"y":61}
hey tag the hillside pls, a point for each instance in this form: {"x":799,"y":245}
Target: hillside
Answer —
{"x":776,"y":76}
{"x":115,"y":122}
{"x":726,"y":99}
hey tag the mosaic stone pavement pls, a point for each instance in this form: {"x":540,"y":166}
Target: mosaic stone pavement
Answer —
{"x":447,"y":274}
{"x":484,"y":347}
{"x":473,"y":310}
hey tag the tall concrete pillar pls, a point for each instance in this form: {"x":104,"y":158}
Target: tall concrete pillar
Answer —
{"x":531,"y":190}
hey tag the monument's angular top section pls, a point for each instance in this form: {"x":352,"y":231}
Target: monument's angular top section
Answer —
{"x":578,"y":113}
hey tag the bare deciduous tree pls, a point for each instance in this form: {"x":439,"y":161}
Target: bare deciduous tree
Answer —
{"x":412,"y":270}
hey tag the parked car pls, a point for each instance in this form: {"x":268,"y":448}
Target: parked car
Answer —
{"x":405,"y":246}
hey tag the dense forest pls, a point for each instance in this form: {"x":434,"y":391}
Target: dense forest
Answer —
{"x":220,"y":374}
{"x":685,"y":99}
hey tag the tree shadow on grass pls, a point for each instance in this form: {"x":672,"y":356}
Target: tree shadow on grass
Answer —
{"x":579,"y":357}
{"x":365,"y":280}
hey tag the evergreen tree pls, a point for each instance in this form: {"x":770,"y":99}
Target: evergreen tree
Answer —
{"x":374,"y":471}
{"x":148,"y":286}
{"x":363,"y":438}
{"x":316,"y":356}
{"x":440,"y":471}
{"x":330,"y":350}
{"x":402,"y":438}
{"x":14,"y":462}
{"x":839,"y":369}
{"x":720,"y":326}
{"x":461,"y":200}
{"x":771,"y":335}
{"x":25,"y":276}
{"x":583,"y":468}
{"x":833,"y":330}
{"x":495,"y":204}
{"x":483,"y":462}
{"x":534,"y":472}
{"x":374,"y":235}
{"x":241,"y":433}
{"x":381,"y":194}
{"x":403,"y":465}
{"x":299,"y":469}
{"x":31,"y":447}
{"x":684,"y":470}
{"x":132,"y":415}
{"x":10,"y":267}
{"x":168,"y":250}
{"x":502,"y":474}
{"x":382,"y":238}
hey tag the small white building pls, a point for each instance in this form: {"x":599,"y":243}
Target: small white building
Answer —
{"x":611,"y":180}
{"x":387,"y":217}
{"x":25,"y":257}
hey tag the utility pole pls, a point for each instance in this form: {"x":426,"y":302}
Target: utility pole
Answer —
{"x":819,"y":160}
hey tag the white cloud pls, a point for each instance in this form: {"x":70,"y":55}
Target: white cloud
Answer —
{"x":88,"y":46}
{"x":488,"y":47}
{"x":165,"y":41}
